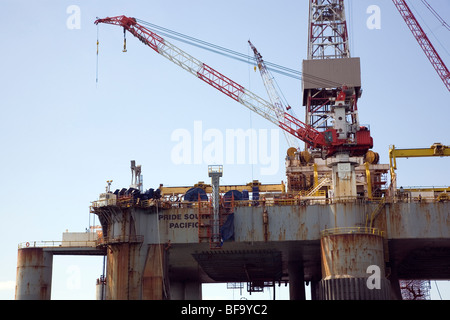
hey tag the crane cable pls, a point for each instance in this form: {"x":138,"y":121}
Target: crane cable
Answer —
{"x":215,"y":48}
{"x":436,"y":15}
{"x":96,"y":67}
{"x":435,"y":282}
{"x":442,"y":21}
{"x":288,"y":72}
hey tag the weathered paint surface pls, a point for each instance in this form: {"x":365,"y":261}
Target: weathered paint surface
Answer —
{"x":293,"y":223}
{"x":350,"y":255}
{"x":347,"y":262}
{"x":154,"y":273}
{"x":416,"y":220}
{"x":34,"y":274}
{"x":288,"y":223}
{"x":135,"y":272}
{"x":147,"y":246}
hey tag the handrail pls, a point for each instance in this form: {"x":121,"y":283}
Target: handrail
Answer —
{"x":376,"y":212}
{"x":81,"y":243}
{"x":351,"y":230}
{"x":57,"y":244}
{"x":293,"y":198}
{"x":315,"y":188}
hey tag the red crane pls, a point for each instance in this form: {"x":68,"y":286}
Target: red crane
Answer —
{"x":423,"y":41}
{"x":327,"y":140}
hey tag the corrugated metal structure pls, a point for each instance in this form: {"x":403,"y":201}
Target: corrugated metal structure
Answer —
{"x":348,"y":258}
{"x":323,"y":73}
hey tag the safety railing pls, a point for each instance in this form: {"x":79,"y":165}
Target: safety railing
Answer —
{"x":127,"y":202}
{"x":351,"y":230}
{"x":312,"y":193}
{"x":422,"y":194}
{"x":82,"y":244}
{"x":287,"y":199}
{"x":215,"y":169}
{"x":57,"y":244}
{"x":315,"y":189}
{"x":418,"y":198}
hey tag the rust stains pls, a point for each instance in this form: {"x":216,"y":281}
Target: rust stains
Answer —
{"x":153,"y":275}
{"x":34,"y":274}
{"x":349,"y":255}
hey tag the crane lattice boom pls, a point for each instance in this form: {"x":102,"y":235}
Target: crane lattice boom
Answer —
{"x":326,"y":140}
{"x":423,"y":41}
{"x":274,"y":97}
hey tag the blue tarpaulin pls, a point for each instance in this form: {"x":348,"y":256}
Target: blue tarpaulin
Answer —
{"x":193,"y":194}
{"x":227,"y":229}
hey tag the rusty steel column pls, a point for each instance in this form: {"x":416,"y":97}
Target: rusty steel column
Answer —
{"x":396,"y":292}
{"x":136,"y":272}
{"x":343,"y":178}
{"x":122,"y":272}
{"x":154,"y":278}
{"x":34,"y":274}
{"x":296,"y":280}
{"x":353,"y":267}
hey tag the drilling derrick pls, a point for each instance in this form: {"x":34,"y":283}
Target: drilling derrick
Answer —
{"x":327,"y":30}
{"x":331,"y":86}
{"x":331,"y":79}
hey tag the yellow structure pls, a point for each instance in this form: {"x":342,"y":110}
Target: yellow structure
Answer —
{"x":436,"y":150}
{"x":208,"y":188}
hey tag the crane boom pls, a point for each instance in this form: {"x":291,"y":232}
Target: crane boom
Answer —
{"x":326,"y":140}
{"x":274,"y":97}
{"x":423,"y":41}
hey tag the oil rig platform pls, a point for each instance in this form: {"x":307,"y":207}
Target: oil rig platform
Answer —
{"x":339,"y":223}
{"x":164,"y":243}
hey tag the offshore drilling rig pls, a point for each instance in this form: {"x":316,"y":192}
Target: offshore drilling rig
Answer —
{"x":337,"y":223}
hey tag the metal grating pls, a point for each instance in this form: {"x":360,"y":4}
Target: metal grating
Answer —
{"x":241,"y":266}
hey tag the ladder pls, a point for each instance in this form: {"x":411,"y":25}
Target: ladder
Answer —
{"x":204,"y":221}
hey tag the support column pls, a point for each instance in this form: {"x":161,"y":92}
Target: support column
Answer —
{"x":135,"y":273}
{"x":343,"y":178}
{"x":215,"y":172}
{"x":123,"y":272}
{"x":353,"y":267}
{"x":185,"y":290}
{"x":154,"y":282}
{"x":296,"y":281}
{"x":315,"y":289}
{"x":396,"y":292}
{"x":34,"y":274}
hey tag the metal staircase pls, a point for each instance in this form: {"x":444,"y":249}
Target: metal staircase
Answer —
{"x":313,"y":191}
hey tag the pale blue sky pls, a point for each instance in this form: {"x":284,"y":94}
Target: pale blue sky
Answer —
{"x":62,"y":135}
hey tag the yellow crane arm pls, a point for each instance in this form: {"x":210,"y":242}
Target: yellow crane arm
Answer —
{"x":436,"y":150}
